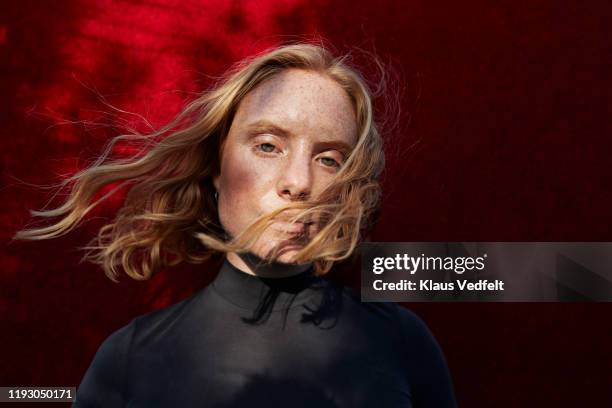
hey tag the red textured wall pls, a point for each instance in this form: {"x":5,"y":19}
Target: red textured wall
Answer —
{"x":505,"y":136}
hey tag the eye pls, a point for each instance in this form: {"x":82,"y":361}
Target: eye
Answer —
{"x":266,"y":147}
{"x":329,"y":162}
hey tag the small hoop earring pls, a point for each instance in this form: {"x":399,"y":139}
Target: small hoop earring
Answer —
{"x":216,"y":196}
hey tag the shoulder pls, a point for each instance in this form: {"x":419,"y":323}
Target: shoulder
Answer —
{"x":424,"y":361}
{"x":396,"y":317}
{"x":154,"y":325}
{"x":402,"y":318}
{"x":114,"y":350}
{"x":411,"y":326}
{"x":414,"y":339}
{"x":104,"y":381}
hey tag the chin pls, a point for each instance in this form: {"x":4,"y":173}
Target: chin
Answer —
{"x":286,"y":253}
{"x":287,"y":257}
{"x":287,"y":243}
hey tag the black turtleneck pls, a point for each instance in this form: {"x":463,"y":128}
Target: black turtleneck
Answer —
{"x":246,"y":341}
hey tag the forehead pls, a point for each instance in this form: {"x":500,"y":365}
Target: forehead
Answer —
{"x":306,"y":102}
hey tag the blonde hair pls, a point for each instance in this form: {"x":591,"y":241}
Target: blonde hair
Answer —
{"x":170,"y":215}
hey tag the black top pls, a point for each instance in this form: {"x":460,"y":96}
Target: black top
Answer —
{"x":246,"y":341}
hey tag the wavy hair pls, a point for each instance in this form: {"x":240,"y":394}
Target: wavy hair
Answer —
{"x":170,"y":215}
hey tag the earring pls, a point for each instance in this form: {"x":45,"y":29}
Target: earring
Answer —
{"x":216,"y":195}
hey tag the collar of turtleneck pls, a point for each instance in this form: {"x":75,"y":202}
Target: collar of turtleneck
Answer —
{"x":250,"y":291}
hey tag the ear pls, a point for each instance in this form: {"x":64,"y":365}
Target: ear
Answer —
{"x":215,"y":181}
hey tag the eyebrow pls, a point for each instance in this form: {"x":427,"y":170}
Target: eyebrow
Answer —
{"x":267,"y":126}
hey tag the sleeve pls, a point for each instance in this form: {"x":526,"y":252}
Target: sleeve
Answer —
{"x":425,"y":364}
{"x":104,"y":382}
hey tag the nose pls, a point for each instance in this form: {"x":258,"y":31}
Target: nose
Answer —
{"x":295,"y":181}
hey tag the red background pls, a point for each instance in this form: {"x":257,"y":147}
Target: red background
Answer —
{"x":505,"y":136}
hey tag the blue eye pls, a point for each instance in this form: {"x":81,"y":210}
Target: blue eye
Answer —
{"x":266,"y":147}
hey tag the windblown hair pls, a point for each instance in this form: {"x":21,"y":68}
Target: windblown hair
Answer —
{"x":170,"y":214}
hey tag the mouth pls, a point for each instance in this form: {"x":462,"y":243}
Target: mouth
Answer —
{"x":294,"y":228}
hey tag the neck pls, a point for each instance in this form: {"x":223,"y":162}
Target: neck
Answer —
{"x":253,"y":265}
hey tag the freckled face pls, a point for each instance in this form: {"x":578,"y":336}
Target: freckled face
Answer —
{"x":288,"y":138}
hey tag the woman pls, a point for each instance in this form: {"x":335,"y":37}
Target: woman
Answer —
{"x":277,"y":167}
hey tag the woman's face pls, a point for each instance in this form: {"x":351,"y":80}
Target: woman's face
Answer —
{"x":288,"y":138}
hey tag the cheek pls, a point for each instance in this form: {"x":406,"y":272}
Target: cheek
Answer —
{"x":244,"y":181}
{"x":237,"y":177}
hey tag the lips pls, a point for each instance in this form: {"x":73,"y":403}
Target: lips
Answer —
{"x":296,"y":227}
{"x":287,"y":215}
